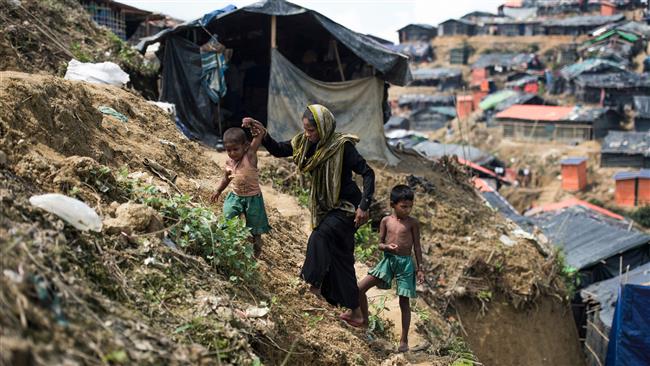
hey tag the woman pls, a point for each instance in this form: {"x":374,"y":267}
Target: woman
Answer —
{"x":337,"y":205}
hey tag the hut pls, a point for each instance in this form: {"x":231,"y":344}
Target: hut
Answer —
{"x":499,"y":63}
{"x":443,"y":78}
{"x":431,"y":118}
{"x":578,"y":25}
{"x":601,"y":301}
{"x":612,"y":89}
{"x":556,"y":123}
{"x":593,"y":66}
{"x":121,"y":19}
{"x":418,"y":101}
{"x":632,"y":188}
{"x":642,"y":113}
{"x":626,"y":149}
{"x":456,"y":27}
{"x":417,"y":33}
{"x":594,"y":240}
{"x":276,"y":71}
{"x":459,"y":55}
{"x":574,"y":174}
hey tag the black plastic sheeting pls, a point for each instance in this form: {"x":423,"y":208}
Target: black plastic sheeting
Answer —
{"x":392,"y":65}
{"x":181,"y":73}
{"x":593,"y":243}
{"x":606,"y":292}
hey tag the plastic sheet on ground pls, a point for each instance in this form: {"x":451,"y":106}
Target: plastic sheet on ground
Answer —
{"x":98,"y":73}
{"x":73,"y":211}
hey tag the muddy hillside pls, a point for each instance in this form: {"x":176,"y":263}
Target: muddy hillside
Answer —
{"x":164,"y":282}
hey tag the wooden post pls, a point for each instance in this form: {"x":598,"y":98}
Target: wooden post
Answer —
{"x":338,"y":59}
{"x":274,"y":24}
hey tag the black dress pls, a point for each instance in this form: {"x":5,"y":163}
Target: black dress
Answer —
{"x":329,"y":261}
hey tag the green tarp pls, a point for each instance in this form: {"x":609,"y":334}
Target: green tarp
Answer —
{"x":492,"y":100}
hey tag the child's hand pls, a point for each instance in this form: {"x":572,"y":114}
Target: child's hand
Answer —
{"x":392,"y":247}
{"x":215,"y":197}
{"x":420,"y":276}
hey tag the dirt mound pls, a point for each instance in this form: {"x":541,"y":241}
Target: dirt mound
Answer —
{"x":140,"y":297}
{"x":43,"y":36}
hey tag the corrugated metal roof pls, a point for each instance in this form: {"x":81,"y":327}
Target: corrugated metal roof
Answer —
{"x":606,"y":292}
{"x":643,"y":173}
{"x":629,"y":143}
{"x":536,"y":112}
{"x":573,"y":161}
{"x":587,"y":238}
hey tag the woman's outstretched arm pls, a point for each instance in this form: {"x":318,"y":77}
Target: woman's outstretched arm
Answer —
{"x":278,"y":149}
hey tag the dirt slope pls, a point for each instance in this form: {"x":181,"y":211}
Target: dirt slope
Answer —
{"x":137,"y":301}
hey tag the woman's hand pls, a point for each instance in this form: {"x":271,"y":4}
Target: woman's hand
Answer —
{"x":255,"y":126}
{"x":361,"y":217}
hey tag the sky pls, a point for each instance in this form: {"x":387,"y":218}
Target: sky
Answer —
{"x":381,"y":18}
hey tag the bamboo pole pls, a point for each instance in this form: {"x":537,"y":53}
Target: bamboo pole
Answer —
{"x":338,"y":59}
{"x":274,"y":25}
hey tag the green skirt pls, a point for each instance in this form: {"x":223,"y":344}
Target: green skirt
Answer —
{"x":253,"y":209}
{"x":398,"y":267}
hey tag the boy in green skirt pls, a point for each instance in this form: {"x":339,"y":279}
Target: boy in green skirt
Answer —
{"x":246,"y":196}
{"x":399,"y":233}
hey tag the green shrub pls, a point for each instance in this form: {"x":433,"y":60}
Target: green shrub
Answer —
{"x":196,"y":229}
{"x":641,"y":216}
{"x":367,"y":244}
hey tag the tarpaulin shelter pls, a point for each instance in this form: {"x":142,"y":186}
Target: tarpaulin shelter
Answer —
{"x":594,"y":244}
{"x":601,"y":299}
{"x":642,"y":113}
{"x":629,"y":339}
{"x":626,"y":149}
{"x":617,"y":89}
{"x":441,"y":77}
{"x":284,"y":57}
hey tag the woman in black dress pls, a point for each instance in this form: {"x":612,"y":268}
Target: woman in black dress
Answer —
{"x":337,"y":205}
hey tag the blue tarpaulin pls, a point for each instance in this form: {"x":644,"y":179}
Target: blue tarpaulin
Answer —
{"x":629,"y":339}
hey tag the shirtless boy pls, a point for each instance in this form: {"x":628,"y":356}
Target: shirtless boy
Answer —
{"x":246,"y":197}
{"x":399,"y":233}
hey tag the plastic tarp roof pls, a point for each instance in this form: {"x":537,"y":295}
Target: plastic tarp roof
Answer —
{"x":619,"y":80}
{"x":393,"y":65}
{"x":436,"y":150}
{"x":624,"y":35}
{"x":606,"y":292}
{"x":423,"y":99}
{"x":629,"y":143}
{"x":636,"y":27}
{"x":592,"y":65}
{"x":499,"y":203}
{"x":413,"y":50}
{"x":490,"y":101}
{"x":587,"y":237}
{"x":437,"y":73}
{"x":629,"y":339}
{"x":584,"y":21}
{"x":504,"y":60}
{"x":520,"y":98}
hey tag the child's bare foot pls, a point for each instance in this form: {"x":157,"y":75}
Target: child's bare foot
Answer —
{"x":257,"y":246}
{"x":403,"y":347}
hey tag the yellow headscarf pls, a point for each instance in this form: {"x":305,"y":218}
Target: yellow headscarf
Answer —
{"x":325,"y":165}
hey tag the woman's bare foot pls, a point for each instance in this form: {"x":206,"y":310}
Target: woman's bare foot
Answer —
{"x":316,"y":291}
{"x":403,"y":346}
{"x":353,"y":317}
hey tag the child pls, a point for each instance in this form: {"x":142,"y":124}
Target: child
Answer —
{"x":398,"y":234}
{"x":246,"y":197}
